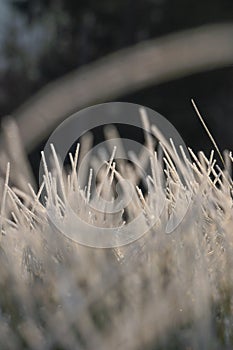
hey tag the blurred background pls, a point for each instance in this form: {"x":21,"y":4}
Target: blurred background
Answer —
{"x":43,"y":40}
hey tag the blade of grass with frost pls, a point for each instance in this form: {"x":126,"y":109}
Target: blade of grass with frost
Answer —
{"x":207,"y":130}
{"x":3,"y":203}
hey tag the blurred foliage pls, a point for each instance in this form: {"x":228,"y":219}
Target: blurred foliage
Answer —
{"x":52,"y":37}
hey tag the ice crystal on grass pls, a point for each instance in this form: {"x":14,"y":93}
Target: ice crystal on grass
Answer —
{"x":170,"y":289}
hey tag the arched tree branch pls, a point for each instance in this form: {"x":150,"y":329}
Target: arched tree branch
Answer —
{"x":149,"y":63}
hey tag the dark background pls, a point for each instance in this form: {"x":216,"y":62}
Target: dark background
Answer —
{"x":43,"y":40}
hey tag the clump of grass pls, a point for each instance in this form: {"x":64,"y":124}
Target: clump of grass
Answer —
{"x":163,"y":291}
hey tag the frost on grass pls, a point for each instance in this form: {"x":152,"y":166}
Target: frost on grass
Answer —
{"x":170,"y":289}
